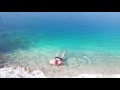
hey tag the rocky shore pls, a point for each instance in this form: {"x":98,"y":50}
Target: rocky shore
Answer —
{"x":20,"y":72}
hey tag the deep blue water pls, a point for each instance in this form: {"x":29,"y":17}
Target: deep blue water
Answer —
{"x":81,"y":30}
{"x":70,"y":31}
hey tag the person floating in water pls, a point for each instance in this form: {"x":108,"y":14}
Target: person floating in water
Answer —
{"x":57,"y":60}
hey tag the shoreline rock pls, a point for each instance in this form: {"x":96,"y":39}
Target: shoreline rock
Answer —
{"x":10,"y":72}
{"x":20,"y":72}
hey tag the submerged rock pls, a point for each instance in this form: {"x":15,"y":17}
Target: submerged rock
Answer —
{"x":1,"y":58}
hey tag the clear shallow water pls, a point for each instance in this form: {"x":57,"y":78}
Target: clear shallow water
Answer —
{"x":89,"y":38}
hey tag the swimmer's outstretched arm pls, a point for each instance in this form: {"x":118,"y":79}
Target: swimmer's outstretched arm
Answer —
{"x":63,"y":55}
{"x":57,"y":53}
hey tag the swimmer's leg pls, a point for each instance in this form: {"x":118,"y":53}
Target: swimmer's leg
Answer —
{"x":57,"y":53}
{"x":63,"y":54}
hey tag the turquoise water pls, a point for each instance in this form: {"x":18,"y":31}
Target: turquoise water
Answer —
{"x":89,"y":38}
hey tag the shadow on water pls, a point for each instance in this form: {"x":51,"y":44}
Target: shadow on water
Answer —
{"x":10,"y":47}
{"x":1,"y":57}
{"x":8,"y":43}
{"x":3,"y":60}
